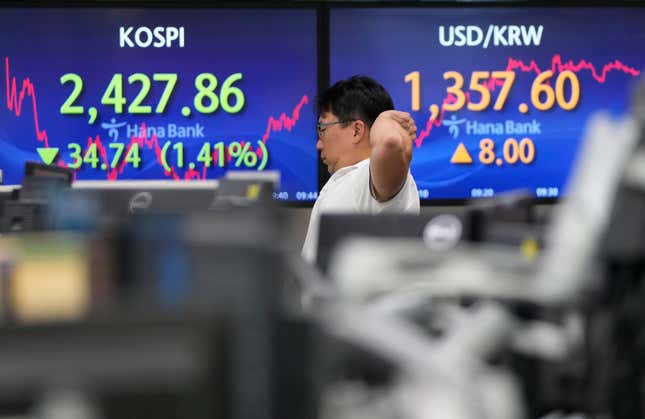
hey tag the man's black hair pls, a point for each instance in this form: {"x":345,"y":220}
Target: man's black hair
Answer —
{"x":358,"y":97}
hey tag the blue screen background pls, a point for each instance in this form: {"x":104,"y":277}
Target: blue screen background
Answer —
{"x":275,"y":50}
{"x":387,"y":44}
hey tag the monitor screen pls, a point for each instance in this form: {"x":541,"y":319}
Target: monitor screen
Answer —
{"x":160,"y":93}
{"x":500,"y":95}
{"x":120,"y":199}
{"x":439,"y":231}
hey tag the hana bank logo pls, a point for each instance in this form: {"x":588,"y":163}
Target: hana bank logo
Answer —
{"x":453,"y":125}
{"x":113,"y":128}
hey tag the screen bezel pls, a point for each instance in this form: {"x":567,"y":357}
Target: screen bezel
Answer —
{"x":315,"y":7}
{"x":463,"y":5}
{"x":322,"y":10}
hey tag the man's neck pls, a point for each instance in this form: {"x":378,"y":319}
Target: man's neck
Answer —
{"x":355,"y":158}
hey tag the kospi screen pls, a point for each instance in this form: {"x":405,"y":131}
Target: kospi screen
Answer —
{"x":500,"y":95}
{"x":127,"y":93}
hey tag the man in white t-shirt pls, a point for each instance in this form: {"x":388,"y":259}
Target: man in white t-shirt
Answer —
{"x":367,"y":147}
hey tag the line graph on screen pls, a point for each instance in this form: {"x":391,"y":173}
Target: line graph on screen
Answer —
{"x":15,"y":100}
{"x":557,"y":65}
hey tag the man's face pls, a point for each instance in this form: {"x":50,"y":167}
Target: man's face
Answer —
{"x":334,"y":141}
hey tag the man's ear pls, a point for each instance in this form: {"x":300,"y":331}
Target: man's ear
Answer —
{"x":358,"y":131}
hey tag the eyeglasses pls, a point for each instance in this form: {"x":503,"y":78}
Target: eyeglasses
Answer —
{"x":322,"y":126}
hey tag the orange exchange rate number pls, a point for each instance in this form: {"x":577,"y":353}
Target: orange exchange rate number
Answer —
{"x":542,"y":95}
{"x":513,"y":151}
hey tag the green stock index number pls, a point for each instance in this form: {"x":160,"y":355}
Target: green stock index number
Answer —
{"x":206,"y":101}
{"x":91,"y":155}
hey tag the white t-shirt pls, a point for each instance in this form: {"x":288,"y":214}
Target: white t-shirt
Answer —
{"x":348,"y":191}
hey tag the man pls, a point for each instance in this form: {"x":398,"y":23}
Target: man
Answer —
{"x":367,"y":147}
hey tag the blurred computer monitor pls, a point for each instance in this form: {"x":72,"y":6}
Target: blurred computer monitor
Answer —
{"x":123,"y":198}
{"x":7,"y":193}
{"x":40,"y":170}
{"x":440,"y":231}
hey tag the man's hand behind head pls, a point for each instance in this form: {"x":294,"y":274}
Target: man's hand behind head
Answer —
{"x":397,"y":129}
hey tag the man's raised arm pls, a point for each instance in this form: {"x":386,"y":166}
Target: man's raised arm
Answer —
{"x":391,"y":139}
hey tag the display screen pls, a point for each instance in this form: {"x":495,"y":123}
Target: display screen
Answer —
{"x":160,"y":93}
{"x":500,"y":95}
